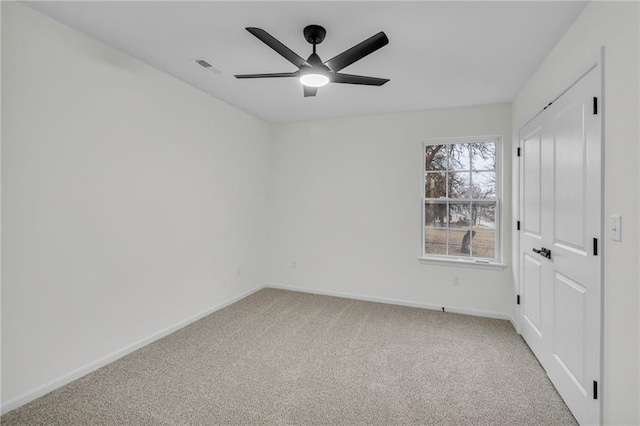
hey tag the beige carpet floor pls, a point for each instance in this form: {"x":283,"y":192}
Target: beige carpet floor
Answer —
{"x":282,"y":357}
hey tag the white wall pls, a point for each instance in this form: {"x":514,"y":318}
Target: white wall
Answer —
{"x":346,"y":207}
{"x":129,"y":200}
{"x":614,"y":25}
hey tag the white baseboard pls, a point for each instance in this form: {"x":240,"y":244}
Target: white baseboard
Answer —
{"x":465,"y":311}
{"x":101,"y":362}
{"x":513,"y":323}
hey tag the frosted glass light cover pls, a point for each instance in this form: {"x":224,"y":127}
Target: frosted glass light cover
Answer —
{"x":314,"y":80}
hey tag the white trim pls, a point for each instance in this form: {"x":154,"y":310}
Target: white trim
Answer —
{"x":513,"y":324}
{"x":597,"y":58}
{"x":460,"y":139}
{"x":450,"y":309}
{"x":107,"y":359}
{"x":461,"y":263}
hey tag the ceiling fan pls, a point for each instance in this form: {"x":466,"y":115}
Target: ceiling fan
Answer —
{"x":312,"y":72}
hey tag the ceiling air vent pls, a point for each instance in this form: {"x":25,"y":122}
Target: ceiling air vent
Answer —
{"x":207,"y":66}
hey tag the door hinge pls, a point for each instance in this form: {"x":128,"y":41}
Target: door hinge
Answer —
{"x":595,"y":246}
{"x":595,"y":105}
{"x":518,"y":225}
{"x":517,"y":299}
{"x":595,"y":390}
{"x":518,"y":152}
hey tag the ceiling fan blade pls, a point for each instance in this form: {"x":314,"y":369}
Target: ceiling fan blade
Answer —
{"x":272,"y":75}
{"x":310,"y":91}
{"x":273,"y":43}
{"x":357,"y":52}
{"x":357,"y":79}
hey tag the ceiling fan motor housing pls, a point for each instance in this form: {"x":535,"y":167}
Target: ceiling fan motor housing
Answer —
{"x":315,"y":61}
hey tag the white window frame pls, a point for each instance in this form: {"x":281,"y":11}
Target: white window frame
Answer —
{"x":451,"y":260}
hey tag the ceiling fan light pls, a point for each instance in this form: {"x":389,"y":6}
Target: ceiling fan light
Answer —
{"x":314,"y":80}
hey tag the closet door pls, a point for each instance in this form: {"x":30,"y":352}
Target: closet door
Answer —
{"x":534,"y":270}
{"x":560,"y":243}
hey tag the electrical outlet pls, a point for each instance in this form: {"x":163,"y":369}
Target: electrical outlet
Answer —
{"x":238,"y":271}
{"x":456,"y":280}
{"x":294,"y":265}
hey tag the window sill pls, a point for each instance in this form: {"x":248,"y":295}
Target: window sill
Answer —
{"x":478,"y":264}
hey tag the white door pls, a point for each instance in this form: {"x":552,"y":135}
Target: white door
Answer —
{"x":560,"y":240}
{"x":532,"y":266}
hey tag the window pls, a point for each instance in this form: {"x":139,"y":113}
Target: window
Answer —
{"x":461,"y":214}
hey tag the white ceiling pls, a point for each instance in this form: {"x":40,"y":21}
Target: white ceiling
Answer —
{"x":440,"y":54}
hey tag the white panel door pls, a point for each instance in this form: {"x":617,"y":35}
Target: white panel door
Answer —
{"x":532,"y":288}
{"x":565,"y":309}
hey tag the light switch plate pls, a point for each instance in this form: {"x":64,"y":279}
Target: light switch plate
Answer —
{"x":616,"y":228}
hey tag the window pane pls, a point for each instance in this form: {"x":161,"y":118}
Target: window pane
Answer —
{"x":459,"y":215}
{"x":435,"y":241}
{"x":459,"y":242}
{"x":483,"y":243}
{"x":459,"y":157}
{"x":435,"y":157}
{"x":459,"y":183}
{"x":484,"y":215}
{"x":435,"y":214}
{"x":483,"y":185}
{"x":435,"y":185}
{"x":483,"y":156}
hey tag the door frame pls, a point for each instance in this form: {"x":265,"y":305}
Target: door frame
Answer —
{"x":595,"y":60}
